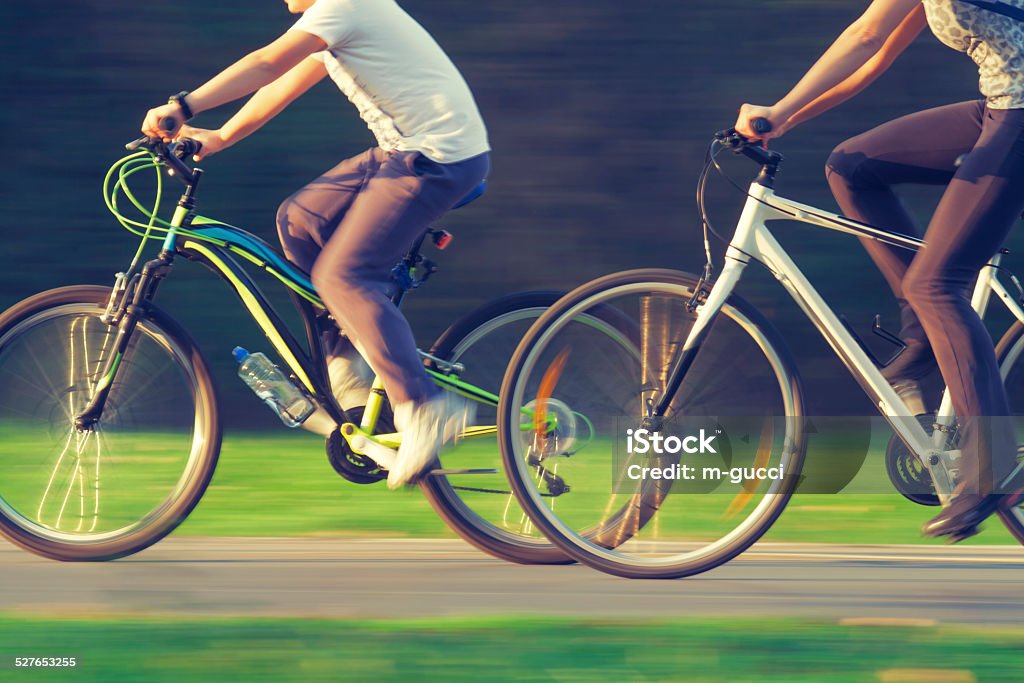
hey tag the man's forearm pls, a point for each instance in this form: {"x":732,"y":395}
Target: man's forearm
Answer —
{"x":245,"y":76}
{"x":254,"y":71}
{"x":271,"y":100}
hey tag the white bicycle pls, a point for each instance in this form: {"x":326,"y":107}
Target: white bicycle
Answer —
{"x":573,"y":397}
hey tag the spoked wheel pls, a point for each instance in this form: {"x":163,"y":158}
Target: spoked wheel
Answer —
{"x":1010,"y":354}
{"x":575,"y":401}
{"x":125,"y":483}
{"x":479,"y":505}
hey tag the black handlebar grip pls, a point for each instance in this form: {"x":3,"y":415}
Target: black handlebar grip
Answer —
{"x":761,"y":125}
{"x":187,"y":147}
{"x":169,"y":123}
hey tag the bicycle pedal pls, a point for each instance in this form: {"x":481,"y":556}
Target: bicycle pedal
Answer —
{"x":446,"y":472}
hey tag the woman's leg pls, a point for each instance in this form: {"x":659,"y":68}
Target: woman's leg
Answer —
{"x":919,"y":148}
{"x":981,"y":204}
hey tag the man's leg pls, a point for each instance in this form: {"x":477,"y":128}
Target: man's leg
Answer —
{"x":353,"y":272}
{"x":353,"y":276}
{"x":305,"y":223}
{"x":919,"y":148}
{"x":308,"y":218}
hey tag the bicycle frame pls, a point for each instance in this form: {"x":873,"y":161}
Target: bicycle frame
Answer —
{"x":753,"y":240}
{"x":217,"y":246}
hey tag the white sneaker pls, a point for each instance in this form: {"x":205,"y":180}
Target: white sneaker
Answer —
{"x":350,"y":375}
{"x":425,"y":427}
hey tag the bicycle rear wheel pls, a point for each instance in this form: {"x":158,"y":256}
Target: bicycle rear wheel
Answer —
{"x":480,"y":506}
{"x":1010,"y":355}
{"x":122,"y":485}
{"x":571,"y":398}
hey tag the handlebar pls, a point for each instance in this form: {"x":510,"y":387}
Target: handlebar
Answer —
{"x":171,"y":154}
{"x":752,"y":149}
{"x":761,"y":125}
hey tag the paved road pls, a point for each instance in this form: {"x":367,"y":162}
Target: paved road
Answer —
{"x":417,"y":578}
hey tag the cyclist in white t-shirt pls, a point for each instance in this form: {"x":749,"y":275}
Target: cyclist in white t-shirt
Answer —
{"x":350,"y":226}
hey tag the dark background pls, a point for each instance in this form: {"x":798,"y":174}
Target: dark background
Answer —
{"x":599,"y":114}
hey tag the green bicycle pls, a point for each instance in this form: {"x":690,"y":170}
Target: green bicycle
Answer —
{"x":109,"y":425}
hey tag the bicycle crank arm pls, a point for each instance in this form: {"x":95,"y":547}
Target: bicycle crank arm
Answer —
{"x":362,"y":444}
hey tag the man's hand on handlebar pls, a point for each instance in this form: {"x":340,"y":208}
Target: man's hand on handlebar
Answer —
{"x":210,"y":141}
{"x":163,"y":122}
{"x":748,"y":126}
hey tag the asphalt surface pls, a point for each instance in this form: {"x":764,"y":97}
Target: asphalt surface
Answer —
{"x":418,"y":578}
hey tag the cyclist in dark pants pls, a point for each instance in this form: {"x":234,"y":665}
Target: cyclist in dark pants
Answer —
{"x":350,"y":226}
{"x":984,"y":196}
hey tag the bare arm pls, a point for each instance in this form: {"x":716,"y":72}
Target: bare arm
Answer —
{"x":268,"y":102}
{"x":244,"y":77}
{"x":851,"y":50}
{"x":898,"y":41}
{"x":271,"y":100}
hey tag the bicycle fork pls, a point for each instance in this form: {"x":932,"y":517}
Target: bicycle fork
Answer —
{"x":127,"y":304}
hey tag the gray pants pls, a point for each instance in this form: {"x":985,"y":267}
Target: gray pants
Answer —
{"x":348,"y":229}
{"x":983,"y":199}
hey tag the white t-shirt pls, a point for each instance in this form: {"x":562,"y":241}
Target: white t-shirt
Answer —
{"x":403,"y":84}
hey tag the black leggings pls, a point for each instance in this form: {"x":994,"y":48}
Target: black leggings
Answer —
{"x":983,"y":199}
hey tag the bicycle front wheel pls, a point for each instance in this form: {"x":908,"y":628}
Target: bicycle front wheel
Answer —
{"x":574,"y":402}
{"x":123,"y":484}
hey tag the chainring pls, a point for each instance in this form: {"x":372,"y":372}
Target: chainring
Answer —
{"x":907,"y":473}
{"x":358,"y":469}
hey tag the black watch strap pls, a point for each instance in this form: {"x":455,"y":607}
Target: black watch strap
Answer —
{"x":179,"y":100}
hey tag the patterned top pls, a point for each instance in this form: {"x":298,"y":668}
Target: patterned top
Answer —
{"x":995,"y":43}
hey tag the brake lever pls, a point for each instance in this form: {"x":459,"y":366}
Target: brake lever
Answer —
{"x":135,"y":144}
{"x":185,"y":148}
{"x":736,"y":141}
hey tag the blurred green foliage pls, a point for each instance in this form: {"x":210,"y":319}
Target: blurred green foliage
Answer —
{"x":599,"y":114}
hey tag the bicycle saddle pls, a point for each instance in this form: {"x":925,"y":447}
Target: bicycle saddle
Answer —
{"x":473,"y":195}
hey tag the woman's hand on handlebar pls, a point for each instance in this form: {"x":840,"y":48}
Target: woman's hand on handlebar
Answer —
{"x":163,"y":122}
{"x":745,"y":126}
{"x":212,"y":141}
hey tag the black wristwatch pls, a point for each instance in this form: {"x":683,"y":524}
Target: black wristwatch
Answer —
{"x":179,"y":100}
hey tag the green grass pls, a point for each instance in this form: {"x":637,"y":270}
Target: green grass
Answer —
{"x":503,"y":649}
{"x":281,"y":484}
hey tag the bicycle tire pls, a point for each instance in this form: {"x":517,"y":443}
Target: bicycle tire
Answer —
{"x":89,"y":302}
{"x":1009,"y":352}
{"x":582,"y":545}
{"x":514,"y":313}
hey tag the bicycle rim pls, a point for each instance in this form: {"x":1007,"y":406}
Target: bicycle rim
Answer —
{"x":596,"y":391}
{"x":121,"y":478}
{"x":478,"y":503}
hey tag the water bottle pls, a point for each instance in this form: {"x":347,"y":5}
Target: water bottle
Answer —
{"x":270,"y":384}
